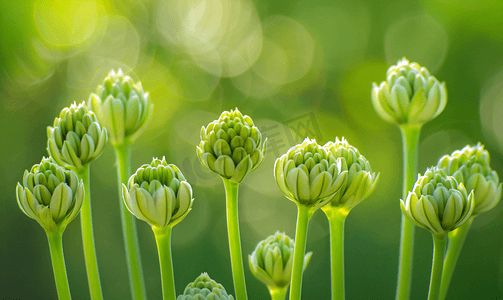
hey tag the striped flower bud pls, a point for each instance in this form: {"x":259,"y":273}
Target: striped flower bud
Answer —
{"x":308,"y":174}
{"x":438,"y":203}
{"x":205,"y":288}
{"x":158,"y":194}
{"x":361,"y":180}
{"x":271,"y":261}
{"x":122,"y":106}
{"x":231,"y":146}
{"x":470,"y":166}
{"x":76,"y":137}
{"x":410,"y":95}
{"x":50,"y":194}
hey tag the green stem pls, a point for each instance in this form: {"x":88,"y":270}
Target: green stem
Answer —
{"x":93,"y":274}
{"x":163,"y":240}
{"x":277,"y":293}
{"x":58,"y":264}
{"x":336,"y":221}
{"x":456,"y":240}
{"x":231,"y":192}
{"x":410,"y":140}
{"x":129,"y":232}
{"x":299,"y":251}
{"x":439,"y":242}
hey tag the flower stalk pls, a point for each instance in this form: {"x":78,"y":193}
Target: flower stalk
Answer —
{"x":439,"y":242}
{"x":163,"y":241}
{"x":336,"y":219}
{"x":55,"y":240}
{"x":304,"y":213}
{"x":277,"y":293}
{"x":231,"y":194}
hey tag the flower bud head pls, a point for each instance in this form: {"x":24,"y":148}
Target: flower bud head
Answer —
{"x":122,"y":106}
{"x":272,"y":260}
{"x":437,"y":203}
{"x":76,"y":137}
{"x":231,"y":146}
{"x":205,"y":288}
{"x":410,"y":95}
{"x":470,"y":166}
{"x":308,"y":174}
{"x":50,"y":194}
{"x":361,"y":180}
{"x":158,"y":194}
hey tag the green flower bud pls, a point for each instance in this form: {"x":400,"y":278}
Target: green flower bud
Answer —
{"x":205,"y":288}
{"x":310,"y":175}
{"x":470,"y":166}
{"x":231,"y":146}
{"x":76,"y":137}
{"x":122,"y":106}
{"x":272,"y":260}
{"x":437,"y":203}
{"x":50,"y":194}
{"x":410,"y":95}
{"x":158,"y":194}
{"x":361,"y":180}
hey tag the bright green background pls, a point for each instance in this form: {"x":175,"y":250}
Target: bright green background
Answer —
{"x":279,"y":60}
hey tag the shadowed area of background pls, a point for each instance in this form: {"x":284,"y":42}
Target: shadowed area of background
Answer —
{"x":298,"y":68}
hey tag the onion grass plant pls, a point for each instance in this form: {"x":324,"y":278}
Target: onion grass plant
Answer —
{"x":409,"y":97}
{"x":74,"y":141}
{"x":123,"y":107}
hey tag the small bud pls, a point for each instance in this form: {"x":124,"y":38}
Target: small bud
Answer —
{"x":272,"y":260}
{"x":231,"y":146}
{"x":470,"y":166}
{"x":410,"y":95}
{"x":122,"y":106}
{"x":205,"y":288}
{"x":76,"y":137}
{"x":50,"y":194}
{"x":437,"y":203}
{"x":361,"y":180}
{"x":158,"y":194}
{"x":310,"y":175}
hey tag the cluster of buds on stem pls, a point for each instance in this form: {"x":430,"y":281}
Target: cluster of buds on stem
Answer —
{"x":205,"y":288}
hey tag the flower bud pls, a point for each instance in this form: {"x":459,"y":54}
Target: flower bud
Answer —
{"x":438,"y":203}
{"x":308,"y":174}
{"x":122,"y":106}
{"x":205,"y":288}
{"x":361,"y":180}
{"x":50,"y":194}
{"x":231,"y":146}
{"x":470,"y":166}
{"x":76,"y":137}
{"x":410,"y":95}
{"x":158,"y":194}
{"x":272,"y":260}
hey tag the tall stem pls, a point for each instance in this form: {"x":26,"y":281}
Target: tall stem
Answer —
{"x":58,"y":264}
{"x":93,"y":275}
{"x":439,"y":242}
{"x":456,"y":240}
{"x":163,"y":240}
{"x":299,"y":251}
{"x":129,"y":232}
{"x":410,"y":139}
{"x":336,"y":221}
{"x":231,"y":192}
{"x":278,"y":293}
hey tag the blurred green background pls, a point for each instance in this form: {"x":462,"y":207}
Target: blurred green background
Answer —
{"x":297,"y":68}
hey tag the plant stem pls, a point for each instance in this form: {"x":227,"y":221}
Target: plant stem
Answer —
{"x":58,"y":264}
{"x":163,"y":240}
{"x":456,"y":240}
{"x":439,"y":242}
{"x":410,"y":140}
{"x":336,"y":221}
{"x":231,"y":192}
{"x":93,"y":275}
{"x":129,"y":232}
{"x":299,"y":251}
{"x":277,"y":293}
